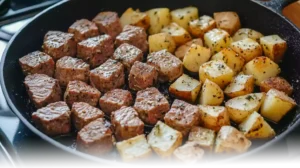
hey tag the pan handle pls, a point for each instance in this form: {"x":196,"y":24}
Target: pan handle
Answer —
{"x":276,"y":5}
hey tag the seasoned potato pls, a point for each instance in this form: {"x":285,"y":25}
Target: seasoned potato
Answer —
{"x":195,"y":57}
{"x":181,"y":50}
{"x":244,"y":33}
{"x":164,"y":139}
{"x":203,"y":136}
{"x":231,"y":58}
{"x":276,"y":105}
{"x":228,"y":21}
{"x":184,"y":15}
{"x":161,"y":41}
{"x":255,"y":127}
{"x":229,"y":139}
{"x":247,"y":48}
{"x":199,"y":27}
{"x":240,"y":85}
{"x":191,"y":152}
{"x":159,"y":18}
{"x":211,"y":94}
{"x":217,"y":39}
{"x":179,"y":34}
{"x":216,"y":71}
{"x":274,"y":47}
{"x":261,"y":68}
{"x":135,"y":18}
{"x":214,"y":117}
{"x":277,"y":83}
{"x":186,"y":88}
{"x":135,"y":148}
{"x":239,"y":108}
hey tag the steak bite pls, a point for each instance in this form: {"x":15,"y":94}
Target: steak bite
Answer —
{"x":54,"y":119}
{"x":169,"y":67}
{"x":133,"y":35}
{"x":58,"y":44}
{"x":69,"y":69}
{"x":96,"y":50}
{"x":151,"y":105}
{"x":108,"y":23}
{"x":83,"y":114}
{"x":42,"y":89}
{"x":78,"y":91}
{"x":37,"y":63}
{"x":126,"y":123}
{"x":108,"y":76}
{"x":96,"y":138}
{"x":114,"y":100}
{"x":142,"y":76}
{"x":83,"y":29}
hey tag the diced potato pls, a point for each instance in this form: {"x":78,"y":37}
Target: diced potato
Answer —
{"x":277,"y":83}
{"x":228,"y":21}
{"x":181,"y":50}
{"x":211,"y":94}
{"x":203,"y":136}
{"x":231,"y":58}
{"x":159,"y":18}
{"x":164,"y":139}
{"x":161,"y":41}
{"x":276,"y":105}
{"x":195,"y":57}
{"x":186,"y":88}
{"x":261,"y":68}
{"x":229,"y":139}
{"x":247,"y":48}
{"x":135,"y":18}
{"x":199,"y":27}
{"x":240,"y":85}
{"x":217,"y":39}
{"x":216,"y":71}
{"x":255,"y":127}
{"x":190,"y":152}
{"x":184,"y":15}
{"x":214,"y":117}
{"x":239,"y":108}
{"x":135,"y":148}
{"x":244,"y":33}
{"x":274,"y":47}
{"x":179,"y":34}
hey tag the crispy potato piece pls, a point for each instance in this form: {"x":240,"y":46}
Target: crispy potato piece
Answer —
{"x":161,"y":41}
{"x":195,"y":57}
{"x":159,"y":18}
{"x":247,"y":48}
{"x":203,"y":136}
{"x":181,"y":50}
{"x":274,"y":47}
{"x":217,"y":39}
{"x":184,"y":15}
{"x":228,"y":21}
{"x":214,"y":117}
{"x":199,"y":27}
{"x":240,"y":85}
{"x":244,"y":33}
{"x":277,"y":83}
{"x":135,"y":18}
{"x":179,"y":34}
{"x":191,"y":152}
{"x":211,"y":94}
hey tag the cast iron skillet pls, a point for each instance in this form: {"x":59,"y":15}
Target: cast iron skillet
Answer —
{"x":61,"y":16}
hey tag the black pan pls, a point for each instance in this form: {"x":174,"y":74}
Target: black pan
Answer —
{"x":61,"y":16}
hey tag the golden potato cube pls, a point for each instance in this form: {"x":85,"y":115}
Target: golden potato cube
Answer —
{"x":278,"y":83}
{"x":240,"y":85}
{"x":159,"y":18}
{"x":135,"y":18}
{"x":244,"y":33}
{"x":217,"y":39}
{"x":203,"y":136}
{"x":191,"y":152}
{"x":211,"y":94}
{"x":199,"y":27}
{"x":161,"y":41}
{"x":181,"y":50}
{"x":274,"y":47}
{"x":195,"y":57}
{"x":184,"y":15}
{"x":228,"y":21}
{"x":179,"y":34}
{"x":247,"y":48}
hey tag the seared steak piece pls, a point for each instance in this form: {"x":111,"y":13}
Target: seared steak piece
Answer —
{"x":54,"y":119}
{"x":37,"y":63}
{"x":78,"y":91}
{"x":42,"y":89}
{"x":151,"y":105}
{"x":114,"y":100}
{"x":83,"y":29}
{"x":96,"y":138}
{"x":108,"y":76}
{"x":58,"y":44}
{"x":96,"y":50}
{"x":126,"y":123}
{"x":69,"y":69}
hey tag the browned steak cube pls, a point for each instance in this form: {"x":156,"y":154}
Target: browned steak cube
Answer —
{"x":126,"y":123}
{"x":151,"y":105}
{"x":133,"y":35}
{"x":96,"y":138}
{"x":128,"y":54}
{"x":168,"y":66}
{"x":114,"y":100}
{"x":108,"y":76}
{"x":58,"y":44}
{"x":83,"y":114}
{"x":83,"y":29}
{"x":42,"y":89}
{"x":78,"y":91}
{"x":108,"y":23}
{"x":69,"y":69}
{"x":54,"y":119}
{"x":96,"y":50}
{"x":142,"y":76}
{"x":182,"y":116}
{"x":37,"y":63}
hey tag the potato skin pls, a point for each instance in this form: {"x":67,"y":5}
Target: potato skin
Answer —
{"x":181,"y":50}
{"x":135,"y":18}
{"x":228,"y":21}
{"x":278,"y":83}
